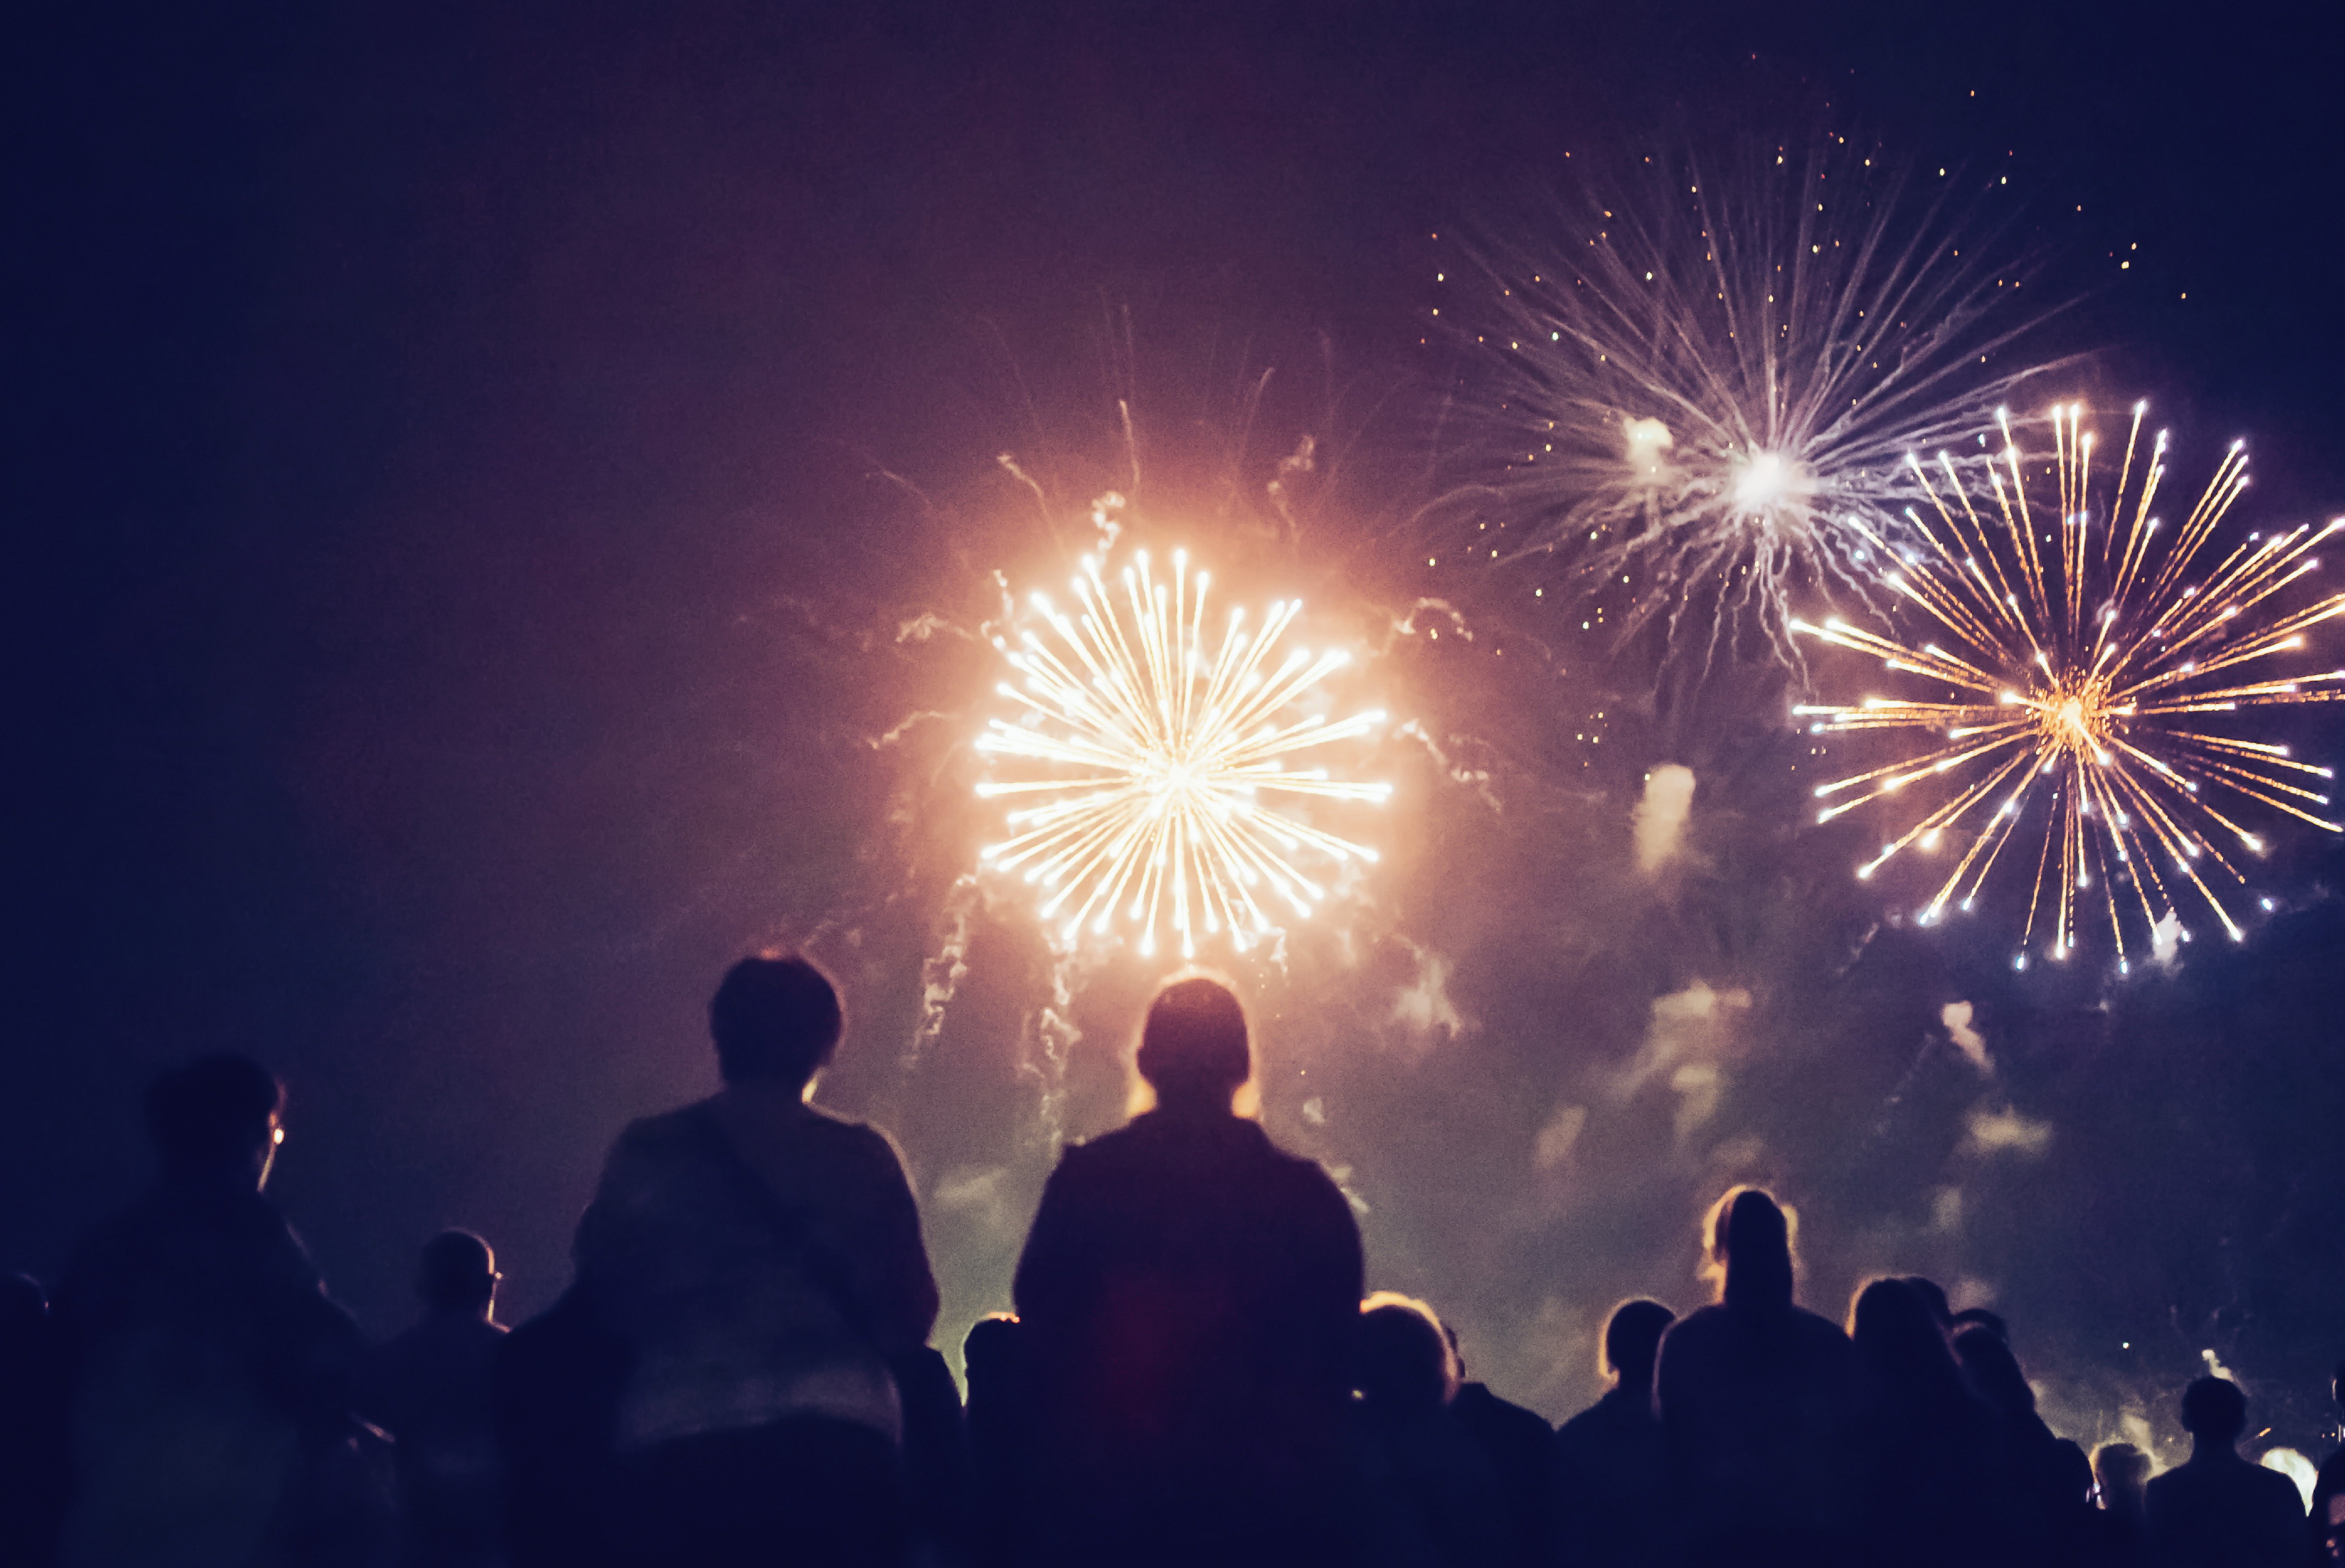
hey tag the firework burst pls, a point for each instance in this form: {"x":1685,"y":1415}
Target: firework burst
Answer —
{"x":1695,"y":394}
{"x":1164,"y":751}
{"x":2083,"y":664}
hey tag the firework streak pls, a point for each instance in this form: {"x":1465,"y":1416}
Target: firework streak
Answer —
{"x":1160,"y":753}
{"x":2086,"y":659}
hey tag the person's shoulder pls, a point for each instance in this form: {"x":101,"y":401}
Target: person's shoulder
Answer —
{"x":843,"y":1138}
{"x":1701,"y":1323}
{"x":2275,"y":1490}
{"x":1816,"y":1330}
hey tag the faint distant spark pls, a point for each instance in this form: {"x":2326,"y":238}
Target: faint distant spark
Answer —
{"x":1159,"y":750}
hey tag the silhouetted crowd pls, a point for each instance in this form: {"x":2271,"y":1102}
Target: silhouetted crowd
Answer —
{"x":740,"y":1372}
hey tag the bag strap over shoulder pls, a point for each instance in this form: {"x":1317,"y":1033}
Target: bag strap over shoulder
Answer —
{"x":784,"y":1224}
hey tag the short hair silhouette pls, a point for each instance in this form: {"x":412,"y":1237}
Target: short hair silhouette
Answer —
{"x":1933,"y":1297}
{"x":1993,"y":1371}
{"x":1632,"y":1341}
{"x":1193,"y":1047}
{"x":776,"y":1020}
{"x":458,"y":1273}
{"x":1405,"y":1366}
{"x":1749,"y":1236}
{"x":2214,"y":1410}
{"x":1980,"y":1317}
{"x":212,"y":1112}
{"x":2120,"y":1468}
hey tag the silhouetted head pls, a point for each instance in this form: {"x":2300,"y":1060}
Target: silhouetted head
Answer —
{"x":1632,"y":1342}
{"x":215,"y":1119}
{"x":2214,"y":1412}
{"x":2122,"y":1471}
{"x":1749,"y":1242}
{"x":1900,"y":1345}
{"x":1405,"y":1367}
{"x":1933,"y":1297}
{"x":1980,"y":1317}
{"x":775,"y":1021}
{"x":1193,"y":1051}
{"x":1993,"y":1371}
{"x":24,"y":1308}
{"x":458,"y":1274}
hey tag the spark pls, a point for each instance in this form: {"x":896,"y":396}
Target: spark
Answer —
{"x":2090,"y":667}
{"x":1160,"y":751}
{"x":1707,"y":385}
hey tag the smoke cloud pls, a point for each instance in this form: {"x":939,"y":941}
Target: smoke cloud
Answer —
{"x":1957,"y":1017}
{"x":1659,"y":820}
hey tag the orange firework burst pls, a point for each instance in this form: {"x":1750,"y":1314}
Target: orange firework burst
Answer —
{"x":1166,"y":752}
{"x":2085,"y":661}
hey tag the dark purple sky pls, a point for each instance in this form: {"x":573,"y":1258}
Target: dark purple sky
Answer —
{"x":454,"y":601}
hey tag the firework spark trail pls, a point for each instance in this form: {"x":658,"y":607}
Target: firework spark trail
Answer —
{"x":1694,"y":394}
{"x":1160,"y":749}
{"x":2084,"y":653}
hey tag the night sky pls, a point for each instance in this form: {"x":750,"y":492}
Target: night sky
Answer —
{"x":470,"y":471}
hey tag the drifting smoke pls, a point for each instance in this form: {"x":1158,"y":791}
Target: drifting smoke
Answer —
{"x":2006,"y":1130}
{"x":1659,"y":820}
{"x":1689,"y":1033}
{"x":1956,"y":1018}
{"x":1424,"y":1007}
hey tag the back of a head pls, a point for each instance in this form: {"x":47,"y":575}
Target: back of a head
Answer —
{"x":1993,"y":1371}
{"x":23,"y":1310}
{"x":776,"y":1020}
{"x":1750,"y":1242}
{"x":1933,"y":1296}
{"x":1899,"y":1343}
{"x":1193,"y":1049}
{"x":458,"y":1273}
{"x":1405,"y":1367}
{"x":2121,"y":1469}
{"x":1980,"y":1317}
{"x":2214,"y":1410}
{"x":214,"y":1115}
{"x":1632,"y":1342}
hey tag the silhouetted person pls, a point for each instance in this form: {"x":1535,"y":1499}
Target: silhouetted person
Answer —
{"x":1611,"y":1478}
{"x":1754,"y":1397}
{"x":32,"y":1423}
{"x":432,"y":1389}
{"x":1190,"y":1293}
{"x":761,"y":1261}
{"x":1927,"y":1460}
{"x":2047,"y":1479}
{"x":2215,"y":1510}
{"x":1933,"y":1297}
{"x":2327,"y":1517}
{"x":1521,"y":1448}
{"x":2122,"y":1471}
{"x":999,"y":1417}
{"x":1980,"y":1317}
{"x":210,"y":1376}
{"x":1427,"y":1495}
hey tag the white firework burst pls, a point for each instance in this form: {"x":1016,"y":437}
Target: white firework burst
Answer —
{"x":1164,"y":762}
{"x":1697,"y":388}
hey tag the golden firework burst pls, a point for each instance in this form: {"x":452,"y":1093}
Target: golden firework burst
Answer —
{"x":2084,"y":663}
{"x":1161,"y":753}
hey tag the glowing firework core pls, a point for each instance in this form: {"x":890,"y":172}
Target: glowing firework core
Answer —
{"x":2083,"y":664}
{"x":1161,"y":821}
